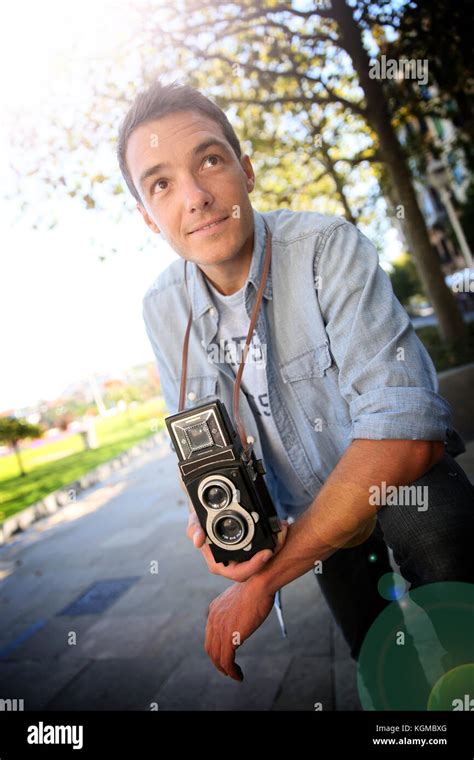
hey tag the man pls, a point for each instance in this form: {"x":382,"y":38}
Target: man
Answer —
{"x":339,"y":395}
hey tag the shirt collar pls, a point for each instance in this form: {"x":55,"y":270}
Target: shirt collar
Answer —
{"x":258,"y":256}
{"x":200,"y":297}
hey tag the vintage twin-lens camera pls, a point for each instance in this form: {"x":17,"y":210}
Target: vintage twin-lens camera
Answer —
{"x":225,"y":485}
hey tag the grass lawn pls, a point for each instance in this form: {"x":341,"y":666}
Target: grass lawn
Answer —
{"x":58,"y":463}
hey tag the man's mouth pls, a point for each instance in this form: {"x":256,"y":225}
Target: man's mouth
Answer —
{"x":210,"y":227}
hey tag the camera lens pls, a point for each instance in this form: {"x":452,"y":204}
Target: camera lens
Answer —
{"x":216,"y":496}
{"x":229,"y":529}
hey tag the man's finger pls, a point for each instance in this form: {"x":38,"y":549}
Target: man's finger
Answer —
{"x":227,"y":661}
{"x":244,"y":570}
{"x":215,"y":655}
{"x":194,"y":531}
{"x":215,"y":658}
{"x":236,"y":571}
{"x":193,"y":523}
{"x":212,"y":647}
{"x":199,"y":537}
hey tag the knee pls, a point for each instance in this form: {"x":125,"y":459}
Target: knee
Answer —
{"x":435,"y":561}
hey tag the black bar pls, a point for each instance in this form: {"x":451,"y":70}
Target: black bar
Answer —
{"x":135,"y":734}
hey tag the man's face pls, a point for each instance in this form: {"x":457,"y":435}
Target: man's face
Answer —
{"x":188,"y":176}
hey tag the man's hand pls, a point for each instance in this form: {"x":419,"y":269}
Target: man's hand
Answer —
{"x":235,"y":571}
{"x":232,"y":618}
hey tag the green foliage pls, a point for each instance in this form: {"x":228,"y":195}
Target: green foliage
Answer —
{"x":123,"y":392}
{"x":13,"y":430}
{"x":53,"y":466}
{"x":405,"y":280}
{"x":281,"y":76}
{"x":440,"y":32}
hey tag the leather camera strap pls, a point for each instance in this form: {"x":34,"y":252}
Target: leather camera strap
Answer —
{"x":235,"y":399}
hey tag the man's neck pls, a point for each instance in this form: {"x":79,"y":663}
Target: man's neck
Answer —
{"x":230,"y":276}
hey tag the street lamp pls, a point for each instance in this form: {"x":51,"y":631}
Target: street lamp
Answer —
{"x":439,"y":179}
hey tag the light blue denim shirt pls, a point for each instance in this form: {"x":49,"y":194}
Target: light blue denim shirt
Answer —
{"x":342,"y":358}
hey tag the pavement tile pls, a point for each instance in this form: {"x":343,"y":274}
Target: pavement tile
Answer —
{"x":52,"y":640}
{"x":114,"y":684}
{"x":306,"y":685}
{"x":37,"y":681}
{"x":114,"y":637}
{"x":197,"y":685}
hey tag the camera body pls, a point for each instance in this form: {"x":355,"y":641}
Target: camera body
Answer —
{"x":225,"y":485}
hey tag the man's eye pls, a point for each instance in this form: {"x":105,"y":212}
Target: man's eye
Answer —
{"x":156,"y":186}
{"x":209,"y":158}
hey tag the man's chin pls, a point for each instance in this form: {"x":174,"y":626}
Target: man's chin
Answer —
{"x":204,"y":261}
{"x":211,"y":253}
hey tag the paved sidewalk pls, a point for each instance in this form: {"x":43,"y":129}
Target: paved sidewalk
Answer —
{"x":146,"y":647}
{"x":143,"y":648}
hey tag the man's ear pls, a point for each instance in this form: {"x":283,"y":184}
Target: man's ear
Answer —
{"x":147,"y":219}
{"x":249,"y":172}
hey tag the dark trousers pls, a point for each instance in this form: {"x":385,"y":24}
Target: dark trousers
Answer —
{"x":433,"y":544}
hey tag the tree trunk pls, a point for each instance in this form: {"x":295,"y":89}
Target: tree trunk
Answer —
{"x":451,"y":324}
{"x":18,"y":456}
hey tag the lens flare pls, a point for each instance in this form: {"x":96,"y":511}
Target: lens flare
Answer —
{"x":392,"y":586}
{"x":401,"y":665}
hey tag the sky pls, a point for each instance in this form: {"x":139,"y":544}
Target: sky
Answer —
{"x":64,"y":313}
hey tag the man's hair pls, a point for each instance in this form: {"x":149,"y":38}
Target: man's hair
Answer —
{"x":160,"y":100}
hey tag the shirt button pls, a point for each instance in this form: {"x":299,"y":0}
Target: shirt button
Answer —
{"x":250,"y":439}
{"x":212,"y":311}
{"x":191,"y":396}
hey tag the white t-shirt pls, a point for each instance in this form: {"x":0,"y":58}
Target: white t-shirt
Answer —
{"x":231,"y":334}
{"x":229,"y":343}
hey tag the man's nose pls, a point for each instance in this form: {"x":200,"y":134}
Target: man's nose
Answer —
{"x":196,"y":196}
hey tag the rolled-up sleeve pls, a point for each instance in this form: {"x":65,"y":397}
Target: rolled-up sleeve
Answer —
{"x":385,"y":373}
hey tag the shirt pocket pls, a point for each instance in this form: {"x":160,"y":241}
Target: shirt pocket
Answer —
{"x":200,"y":390}
{"x":313,"y":378}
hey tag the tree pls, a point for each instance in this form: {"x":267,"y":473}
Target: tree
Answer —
{"x":440,"y":33}
{"x":297,"y":84}
{"x":13,"y":430}
{"x":377,"y":113}
{"x":312,"y":64}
